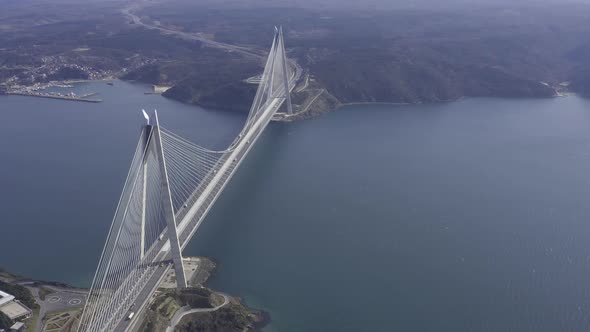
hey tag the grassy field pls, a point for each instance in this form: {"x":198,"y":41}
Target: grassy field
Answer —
{"x":61,"y":321}
{"x":32,"y":322}
{"x":43,"y":292}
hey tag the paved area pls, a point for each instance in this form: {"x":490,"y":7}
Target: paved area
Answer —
{"x":64,"y":300}
{"x":61,"y":299}
{"x":64,"y":322}
{"x":190,"y":267}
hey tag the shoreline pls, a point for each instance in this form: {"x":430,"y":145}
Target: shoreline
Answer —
{"x":9,"y":277}
{"x":81,"y":99}
{"x":262,"y":317}
{"x":370,"y":103}
{"x":307,"y":114}
{"x":259,"y":318}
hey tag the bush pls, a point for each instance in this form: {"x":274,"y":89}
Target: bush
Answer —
{"x":5,"y":322}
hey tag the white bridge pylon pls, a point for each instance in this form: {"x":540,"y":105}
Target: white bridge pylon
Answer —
{"x":171,"y":185}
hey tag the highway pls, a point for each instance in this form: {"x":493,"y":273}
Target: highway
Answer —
{"x":189,"y":224}
{"x":142,"y":299}
{"x":199,"y":203}
{"x":207,"y":196}
{"x":129,"y":13}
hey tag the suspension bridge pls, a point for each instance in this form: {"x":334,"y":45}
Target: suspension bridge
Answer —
{"x":171,"y":185}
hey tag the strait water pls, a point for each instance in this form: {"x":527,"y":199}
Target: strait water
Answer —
{"x":466,"y":216}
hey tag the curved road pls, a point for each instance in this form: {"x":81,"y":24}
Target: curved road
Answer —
{"x":180,"y":313}
{"x":128,"y":12}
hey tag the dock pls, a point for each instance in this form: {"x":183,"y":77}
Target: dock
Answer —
{"x":62,"y":97}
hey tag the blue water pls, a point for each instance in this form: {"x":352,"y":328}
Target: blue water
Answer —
{"x":63,"y":166}
{"x":465,"y":216}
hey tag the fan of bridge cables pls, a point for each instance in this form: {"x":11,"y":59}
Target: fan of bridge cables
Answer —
{"x":136,"y":244}
{"x":275,"y":81}
{"x":190,"y":167}
{"x":133,"y":243}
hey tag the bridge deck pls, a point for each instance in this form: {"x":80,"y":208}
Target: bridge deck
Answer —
{"x":144,"y":279}
{"x":195,"y":216}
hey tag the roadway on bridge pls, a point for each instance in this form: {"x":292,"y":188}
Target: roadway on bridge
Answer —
{"x":206,"y":192}
{"x":238,"y":154}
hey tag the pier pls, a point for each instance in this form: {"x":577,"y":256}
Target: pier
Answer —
{"x":83,"y":98}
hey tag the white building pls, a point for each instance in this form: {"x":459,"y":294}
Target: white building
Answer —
{"x":13,"y":308}
{"x":5,"y":298}
{"x":18,"y":327}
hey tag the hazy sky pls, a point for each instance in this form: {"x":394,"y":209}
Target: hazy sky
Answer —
{"x":392,"y":4}
{"x":371,"y":5}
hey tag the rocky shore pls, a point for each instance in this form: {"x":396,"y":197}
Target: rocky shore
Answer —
{"x":213,"y":310}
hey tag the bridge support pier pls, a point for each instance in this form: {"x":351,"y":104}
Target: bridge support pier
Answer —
{"x":168,"y":209}
{"x":284,"y":65}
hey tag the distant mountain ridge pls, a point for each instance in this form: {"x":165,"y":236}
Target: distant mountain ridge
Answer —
{"x":405,"y":55}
